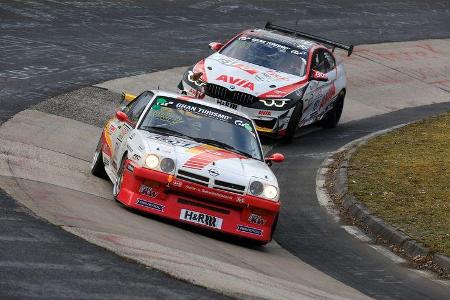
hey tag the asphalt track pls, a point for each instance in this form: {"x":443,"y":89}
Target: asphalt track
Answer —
{"x":47,"y":50}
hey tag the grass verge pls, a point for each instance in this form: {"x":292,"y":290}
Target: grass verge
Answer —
{"x":404,"y":178}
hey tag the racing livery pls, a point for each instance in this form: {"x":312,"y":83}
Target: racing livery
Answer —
{"x":283,"y":79}
{"x":191,"y":161}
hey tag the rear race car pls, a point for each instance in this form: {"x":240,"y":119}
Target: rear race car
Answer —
{"x":283,"y":79}
{"x":190,"y":161}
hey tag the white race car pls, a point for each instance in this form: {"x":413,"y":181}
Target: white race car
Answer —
{"x":282,"y":78}
{"x":190,"y":161}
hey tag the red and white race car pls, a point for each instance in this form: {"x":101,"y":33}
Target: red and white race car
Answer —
{"x":283,"y":79}
{"x":190,"y":161}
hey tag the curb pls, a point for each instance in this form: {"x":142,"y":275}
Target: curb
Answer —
{"x":335,"y":170}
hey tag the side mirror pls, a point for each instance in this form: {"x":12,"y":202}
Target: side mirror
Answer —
{"x":276,"y":157}
{"x":215,"y":46}
{"x":318,"y":76}
{"x":121,"y":116}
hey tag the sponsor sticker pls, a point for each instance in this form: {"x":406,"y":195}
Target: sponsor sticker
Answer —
{"x":245,"y":84}
{"x":201,"y":218}
{"x":227,"y":104}
{"x":256,"y":219}
{"x":149,"y":204}
{"x":148,"y":191}
{"x":130,"y":167}
{"x":250,"y":230}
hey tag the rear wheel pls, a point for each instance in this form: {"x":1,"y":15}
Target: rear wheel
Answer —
{"x":97,"y":165}
{"x":293,"y":123}
{"x":331,"y":118}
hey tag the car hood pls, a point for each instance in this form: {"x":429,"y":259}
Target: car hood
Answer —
{"x":205,"y":160}
{"x":249,"y":78}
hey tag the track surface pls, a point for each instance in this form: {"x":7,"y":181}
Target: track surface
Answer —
{"x":49,"y":47}
{"x":304,"y":225}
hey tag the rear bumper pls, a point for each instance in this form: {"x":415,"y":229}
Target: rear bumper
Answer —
{"x":162,"y":194}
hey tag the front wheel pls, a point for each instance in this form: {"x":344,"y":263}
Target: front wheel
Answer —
{"x":97,"y":166}
{"x":118,"y":184}
{"x":293,"y":123}
{"x":331,"y":118}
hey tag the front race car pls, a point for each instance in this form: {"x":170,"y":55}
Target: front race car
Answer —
{"x":201,"y":165}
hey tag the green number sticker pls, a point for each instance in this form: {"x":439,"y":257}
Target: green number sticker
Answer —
{"x":159,"y":102}
{"x":248,"y":127}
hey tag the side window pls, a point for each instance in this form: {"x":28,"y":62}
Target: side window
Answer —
{"x":135,"y":108}
{"x":323,"y":61}
{"x":330,"y":59}
{"x":318,"y":62}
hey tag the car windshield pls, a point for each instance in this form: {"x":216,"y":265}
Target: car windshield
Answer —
{"x":169,"y":116}
{"x":267,"y":54}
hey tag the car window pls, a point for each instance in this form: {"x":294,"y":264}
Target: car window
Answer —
{"x":323,"y":61}
{"x":202,"y":123}
{"x":135,"y":108}
{"x":267,"y":54}
{"x":330,"y":59}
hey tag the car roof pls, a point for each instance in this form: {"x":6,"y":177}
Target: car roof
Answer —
{"x":201,"y":102}
{"x":282,"y":38}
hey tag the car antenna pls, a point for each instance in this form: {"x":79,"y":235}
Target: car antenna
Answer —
{"x":295,"y":13}
{"x":158,"y":87}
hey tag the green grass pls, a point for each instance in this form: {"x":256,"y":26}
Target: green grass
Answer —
{"x":404,"y":178}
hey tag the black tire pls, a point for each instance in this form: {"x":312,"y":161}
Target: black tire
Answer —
{"x":331,"y":118}
{"x":293,"y":123}
{"x":97,"y":166}
{"x":118,"y":184}
{"x":274,"y":227}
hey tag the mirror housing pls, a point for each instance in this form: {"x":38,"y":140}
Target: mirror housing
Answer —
{"x":276,"y":157}
{"x":121,"y":116}
{"x":318,"y":76}
{"x":215,"y":46}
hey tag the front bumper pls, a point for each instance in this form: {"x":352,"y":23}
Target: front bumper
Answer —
{"x":162,"y":194}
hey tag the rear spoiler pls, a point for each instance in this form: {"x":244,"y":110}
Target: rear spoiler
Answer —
{"x":348,"y":48}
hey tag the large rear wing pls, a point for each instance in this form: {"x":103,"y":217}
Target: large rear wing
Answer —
{"x":348,"y":48}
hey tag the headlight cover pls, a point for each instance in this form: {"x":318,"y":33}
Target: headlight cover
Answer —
{"x":274,"y":102}
{"x":270,"y":192}
{"x":152,"y":161}
{"x":256,"y":188}
{"x":167,"y":165}
{"x":263,"y":190}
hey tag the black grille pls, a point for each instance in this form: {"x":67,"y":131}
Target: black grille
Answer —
{"x":230,"y":185}
{"x":193,"y":177}
{"x":220,"y":92}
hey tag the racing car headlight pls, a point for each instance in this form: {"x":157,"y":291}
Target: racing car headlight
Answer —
{"x":151,"y":161}
{"x":167,"y":165}
{"x":270,"y":192}
{"x":256,"y":188}
{"x":274,"y":102}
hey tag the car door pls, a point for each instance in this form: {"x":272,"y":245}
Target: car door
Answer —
{"x":317,"y":93}
{"x":330,"y":70}
{"x":133,"y":110}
